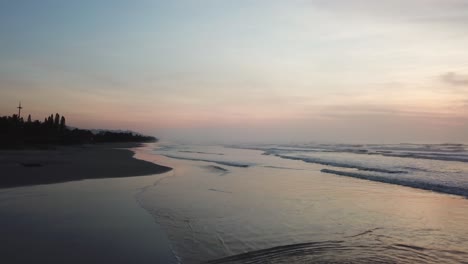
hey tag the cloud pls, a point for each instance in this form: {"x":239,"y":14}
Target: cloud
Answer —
{"x":429,"y":11}
{"x":455,"y":79}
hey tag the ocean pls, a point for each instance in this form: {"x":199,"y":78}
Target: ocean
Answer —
{"x":303,"y":203}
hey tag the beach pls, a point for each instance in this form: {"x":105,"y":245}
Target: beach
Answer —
{"x":234,"y":204}
{"x":71,"y":163}
{"x":85,"y":216}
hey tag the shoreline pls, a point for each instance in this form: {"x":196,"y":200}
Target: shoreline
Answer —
{"x":73,"y":163}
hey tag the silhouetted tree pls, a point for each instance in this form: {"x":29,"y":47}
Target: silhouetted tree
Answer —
{"x":15,"y":133}
{"x":50,"y":121}
{"x":62,"y":123}
{"x":57,"y":120}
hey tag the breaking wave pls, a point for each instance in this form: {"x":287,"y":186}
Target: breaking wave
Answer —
{"x":201,"y":152}
{"x":443,"y":152}
{"x":338,"y":164}
{"x":430,"y":156}
{"x":225,"y":163}
{"x":436,"y":187}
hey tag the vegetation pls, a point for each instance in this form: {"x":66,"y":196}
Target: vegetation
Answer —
{"x":17,"y":133}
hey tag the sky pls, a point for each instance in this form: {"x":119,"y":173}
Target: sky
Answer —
{"x":242,"y":71}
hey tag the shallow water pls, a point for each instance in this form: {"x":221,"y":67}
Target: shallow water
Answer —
{"x":232,"y":201}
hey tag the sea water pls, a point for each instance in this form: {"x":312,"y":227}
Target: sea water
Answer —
{"x":302,"y":203}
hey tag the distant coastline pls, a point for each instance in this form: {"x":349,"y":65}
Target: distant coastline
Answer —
{"x":16,"y":133}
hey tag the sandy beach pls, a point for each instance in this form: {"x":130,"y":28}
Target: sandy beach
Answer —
{"x":31,"y":167}
{"x":91,"y":214}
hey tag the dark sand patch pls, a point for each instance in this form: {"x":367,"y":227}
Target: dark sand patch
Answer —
{"x":31,"y":167}
{"x":216,"y":190}
{"x":216,"y":168}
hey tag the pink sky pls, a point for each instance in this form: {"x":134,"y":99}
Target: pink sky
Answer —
{"x":349,"y":71}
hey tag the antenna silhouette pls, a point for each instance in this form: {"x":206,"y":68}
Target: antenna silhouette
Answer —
{"x":19,"y":110}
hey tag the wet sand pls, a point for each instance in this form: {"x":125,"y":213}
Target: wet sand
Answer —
{"x":32,"y":167}
{"x":83,"y":220}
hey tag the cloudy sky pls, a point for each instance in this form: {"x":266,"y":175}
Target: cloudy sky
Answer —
{"x":323,"y":70}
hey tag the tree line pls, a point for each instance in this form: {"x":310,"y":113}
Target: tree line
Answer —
{"x":15,"y":132}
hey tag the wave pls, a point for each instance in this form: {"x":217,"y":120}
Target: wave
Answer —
{"x":422,"y":147}
{"x":349,"y":251}
{"x":338,"y":164}
{"x":433,"y":156}
{"x":404,"y":182}
{"x":277,"y":253}
{"x":413,"y":155}
{"x":281,"y":168}
{"x":443,"y":152}
{"x":201,"y":152}
{"x":402,"y":147}
{"x":226,"y":163}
